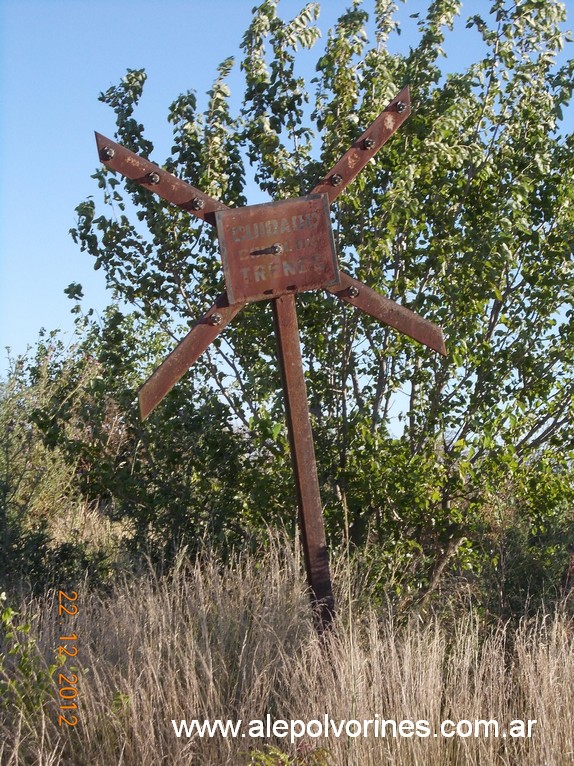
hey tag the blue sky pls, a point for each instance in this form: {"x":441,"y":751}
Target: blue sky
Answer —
{"x":56,"y":56}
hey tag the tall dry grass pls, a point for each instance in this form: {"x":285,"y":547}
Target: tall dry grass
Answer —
{"x":236,"y":641}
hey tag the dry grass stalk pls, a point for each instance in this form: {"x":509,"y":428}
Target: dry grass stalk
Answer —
{"x":213,"y":641}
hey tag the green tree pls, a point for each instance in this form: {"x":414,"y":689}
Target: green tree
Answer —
{"x":41,"y":405}
{"x":466,"y":216}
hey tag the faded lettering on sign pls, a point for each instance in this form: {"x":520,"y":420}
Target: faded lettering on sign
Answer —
{"x":271,"y":249}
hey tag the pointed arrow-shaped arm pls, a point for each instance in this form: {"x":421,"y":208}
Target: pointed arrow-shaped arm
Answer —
{"x":152,"y":177}
{"x":391,"y":313}
{"x":347,"y":168}
{"x":186,"y":196}
{"x":366,"y":146}
{"x":187,"y":351}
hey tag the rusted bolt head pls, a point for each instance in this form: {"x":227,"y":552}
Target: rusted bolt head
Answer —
{"x":368,"y":143}
{"x":400,"y":107}
{"x":107,"y":153}
{"x":353,"y":291}
{"x":276,"y":249}
{"x":336,"y":179}
{"x":153,"y":178}
{"x":197,"y":204}
{"x":216,"y":318}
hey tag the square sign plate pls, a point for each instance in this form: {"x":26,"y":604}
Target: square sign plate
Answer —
{"x":276,"y":248}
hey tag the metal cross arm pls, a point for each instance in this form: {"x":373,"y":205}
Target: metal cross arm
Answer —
{"x":366,"y":146}
{"x":204,"y":207}
{"x":272,"y":252}
{"x":186,"y":353}
{"x":389,"y":312}
{"x":151,"y":176}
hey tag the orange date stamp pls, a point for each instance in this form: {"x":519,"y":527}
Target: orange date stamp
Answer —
{"x":67,"y":681}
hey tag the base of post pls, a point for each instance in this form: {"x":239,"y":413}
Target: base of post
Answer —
{"x":323,"y":614}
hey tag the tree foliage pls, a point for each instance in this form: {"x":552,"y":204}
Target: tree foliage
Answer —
{"x":466,"y":217}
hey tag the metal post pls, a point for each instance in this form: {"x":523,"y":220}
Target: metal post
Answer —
{"x":303,"y":456}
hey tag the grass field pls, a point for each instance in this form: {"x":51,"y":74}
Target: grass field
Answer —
{"x":237,"y":642}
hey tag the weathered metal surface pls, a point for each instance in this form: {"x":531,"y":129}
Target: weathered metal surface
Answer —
{"x":276,"y":248}
{"x":164,"y":184}
{"x":391,"y":313}
{"x":366,"y":146}
{"x":188,"y":350}
{"x":303,"y":457}
{"x":266,"y":254}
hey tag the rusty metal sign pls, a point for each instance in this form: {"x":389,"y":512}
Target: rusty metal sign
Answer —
{"x":274,"y":251}
{"x":276,"y":248}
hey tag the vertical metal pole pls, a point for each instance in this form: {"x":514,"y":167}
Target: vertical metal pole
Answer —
{"x":303,"y":456}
